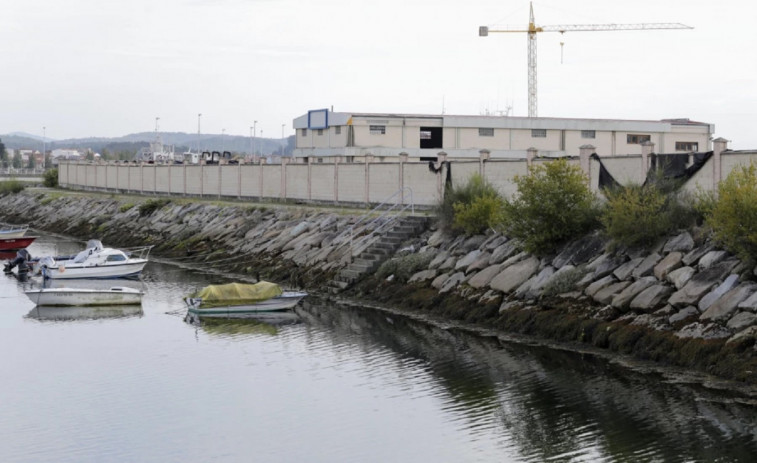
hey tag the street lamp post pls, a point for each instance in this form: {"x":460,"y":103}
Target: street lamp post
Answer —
{"x":199,"y":115}
{"x":223,"y":132}
{"x":252,"y":142}
{"x":254,"y":134}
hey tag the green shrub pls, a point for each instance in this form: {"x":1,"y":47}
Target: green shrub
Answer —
{"x":639,"y":215}
{"x":126,"y":207}
{"x":553,"y":204}
{"x":11,"y":187}
{"x":482,"y":213}
{"x":406,"y":266}
{"x":733,"y":217}
{"x":460,"y":199}
{"x":50,"y":178}
{"x":152,"y":205}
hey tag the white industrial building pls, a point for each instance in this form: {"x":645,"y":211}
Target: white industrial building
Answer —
{"x":323,"y":135}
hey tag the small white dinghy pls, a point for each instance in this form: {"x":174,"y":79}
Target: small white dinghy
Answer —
{"x":240,"y":300}
{"x":117,"y":295}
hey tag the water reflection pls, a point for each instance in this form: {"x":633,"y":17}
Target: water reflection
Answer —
{"x":556,"y":405}
{"x":266,"y":323}
{"x":45,"y":313}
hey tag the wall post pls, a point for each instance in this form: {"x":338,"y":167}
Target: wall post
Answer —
{"x":483,"y":156}
{"x":401,"y":180}
{"x":647,"y":148}
{"x":584,"y":156}
{"x":531,"y":154}
{"x":719,"y":145}
{"x":368,"y":160}
{"x":284,"y":162}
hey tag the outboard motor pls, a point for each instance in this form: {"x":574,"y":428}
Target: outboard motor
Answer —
{"x":22,"y":261}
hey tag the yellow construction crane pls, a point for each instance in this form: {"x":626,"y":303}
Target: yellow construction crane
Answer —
{"x":484,"y":31}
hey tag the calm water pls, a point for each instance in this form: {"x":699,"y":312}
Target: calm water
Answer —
{"x":327,"y":384}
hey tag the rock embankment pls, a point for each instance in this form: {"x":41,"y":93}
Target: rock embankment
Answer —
{"x":295,"y":246}
{"x":683,"y":303}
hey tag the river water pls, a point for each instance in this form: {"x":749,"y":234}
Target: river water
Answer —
{"x":327,"y":383}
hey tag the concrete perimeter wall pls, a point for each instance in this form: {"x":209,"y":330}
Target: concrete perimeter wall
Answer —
{"x":359,"y":183}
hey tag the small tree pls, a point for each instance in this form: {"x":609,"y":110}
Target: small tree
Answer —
{"x":733,"y":217}
{"x":471,"y":208}
{"x":553,"y":204}
{"x":17,"y":161}
{"x":50,"y":178}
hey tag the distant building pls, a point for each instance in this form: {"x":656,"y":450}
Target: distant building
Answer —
{"x":65,"y":154}
{"x":353,"y":136}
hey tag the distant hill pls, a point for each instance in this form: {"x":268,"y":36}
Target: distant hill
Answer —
{"x":133,"y":142}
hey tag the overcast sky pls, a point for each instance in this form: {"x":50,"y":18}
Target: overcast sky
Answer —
{"x":109,"y":68}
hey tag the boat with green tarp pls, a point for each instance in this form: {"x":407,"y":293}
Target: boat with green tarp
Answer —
{"x":240,"y":299}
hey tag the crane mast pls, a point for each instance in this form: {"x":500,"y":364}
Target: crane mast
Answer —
{"x":533,"y":29}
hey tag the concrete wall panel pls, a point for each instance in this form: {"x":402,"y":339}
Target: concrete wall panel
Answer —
{"x":272,"y":181}
{"x":297,"y":181}
{"x":322,"y":179}
{"x":352,"y":183}
{"x":193,"y":180}
{"x":383,"y":181}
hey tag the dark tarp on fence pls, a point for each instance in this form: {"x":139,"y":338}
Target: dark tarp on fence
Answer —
{"x":673,"y":166}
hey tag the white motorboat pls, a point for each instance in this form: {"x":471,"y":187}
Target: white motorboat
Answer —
{"x":15,"y":231}
{"x":116,"y":295}
{"x":95,"y":261}
{"x":238,"y":300}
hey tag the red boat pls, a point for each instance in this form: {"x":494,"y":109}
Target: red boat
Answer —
{"x":14,"y":244}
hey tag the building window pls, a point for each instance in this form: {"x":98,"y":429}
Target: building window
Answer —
{"x":378,"y":129}
{"x":338,"y":130}
{"x":636,"y":139}
{"x":538,"y":133}
{"x":304,"y":132}
{"x":485,"y":132}
{"x":588,"y":134}
{"x":425,"y":135}
{"x":320,"y":131}
{"x":687,"y":146}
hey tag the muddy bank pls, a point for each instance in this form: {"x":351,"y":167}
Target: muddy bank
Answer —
{"x":683,"y":304}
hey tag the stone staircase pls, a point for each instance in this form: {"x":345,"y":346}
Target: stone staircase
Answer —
{"x":382,"y":248}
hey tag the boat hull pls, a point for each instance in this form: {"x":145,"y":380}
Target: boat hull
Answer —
{"x":285,"y":301}
{"x":14,"y":244}
{"x":67,"y":297}
{"x":74,"y":271}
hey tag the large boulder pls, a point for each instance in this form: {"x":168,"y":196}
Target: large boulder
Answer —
{"x":468,"y":259}
{"x":502,"y":252}
{"x":622,"y":300}
{"x":725,"y":307}
{"x":533,"y":286}
{"x":681,"y":243}
{"x":701,"y":283}
{"x":711,"y":258}
{"x":485,"y":276}
{"x":515,"y":275}
{"x":693,"y":256}
{"x":452,"y":282}
{"x":741,"y":321}
{"x":646,"y":267}
{"x":609,"y":292}
{"x":651,"y":298}
{"x":625,"y":270}
{"x":680,"y":276}
{"x":728,"y":284}
{"x":671,"y":262}
{"x":593,"y":288}
{"x":580,"y":251}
